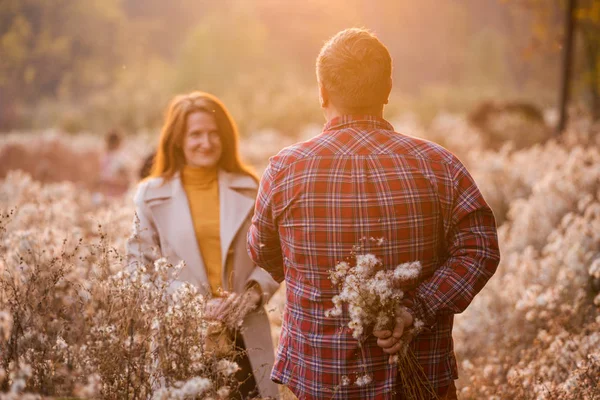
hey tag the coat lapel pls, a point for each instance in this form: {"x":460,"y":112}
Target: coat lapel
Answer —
{"x":172,"y":214}
{"x":236,"y":198}
{"x":175,"y":220}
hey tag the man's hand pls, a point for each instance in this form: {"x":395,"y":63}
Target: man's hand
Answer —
{"x":392,"y":341}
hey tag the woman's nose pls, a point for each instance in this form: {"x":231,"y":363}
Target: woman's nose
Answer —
{"x":205,"y":140}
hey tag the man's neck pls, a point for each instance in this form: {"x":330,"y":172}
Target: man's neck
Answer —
{"x":332,"y":112}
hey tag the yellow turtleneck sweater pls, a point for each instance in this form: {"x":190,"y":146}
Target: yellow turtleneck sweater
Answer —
{"x":202,"y":189}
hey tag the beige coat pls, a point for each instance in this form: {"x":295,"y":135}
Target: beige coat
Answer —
{"x":166,"y":229}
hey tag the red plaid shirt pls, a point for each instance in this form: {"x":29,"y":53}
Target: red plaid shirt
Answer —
{"x":360,"y":179}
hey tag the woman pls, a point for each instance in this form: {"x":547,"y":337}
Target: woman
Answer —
{"x":196,"y":206}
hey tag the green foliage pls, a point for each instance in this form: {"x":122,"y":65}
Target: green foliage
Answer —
{"x":134,"y":101}
{"x":54,"y":46}
{"x":228,"y":53}
{"x":90,"y":65}
{"x":486,"y":63}
{"x":225,"y":47}
{"x":57,"y":49}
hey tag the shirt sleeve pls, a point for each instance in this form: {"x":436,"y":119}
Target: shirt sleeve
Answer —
{"x":473,"y":253}
{"x":264,"y":246}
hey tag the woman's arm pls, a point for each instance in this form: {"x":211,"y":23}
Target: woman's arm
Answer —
{"x":267,"y":286}
{"x":142,"y":245}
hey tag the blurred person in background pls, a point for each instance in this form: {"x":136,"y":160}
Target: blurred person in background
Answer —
{"x":113,"y":178}
{"x":196,"y":206}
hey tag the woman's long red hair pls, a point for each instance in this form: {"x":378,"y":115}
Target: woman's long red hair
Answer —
{"x":169,"y":155}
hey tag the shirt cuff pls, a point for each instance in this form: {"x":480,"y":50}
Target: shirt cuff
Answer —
{"x":419,"y":312}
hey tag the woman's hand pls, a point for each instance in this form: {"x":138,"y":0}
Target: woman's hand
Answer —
{"x":218,"y":307}
{"x":231,"y":308}
{"x":253,"y":295}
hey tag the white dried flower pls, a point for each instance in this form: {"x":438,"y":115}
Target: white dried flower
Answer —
{"x":418,"y":324}
{"x":365,"y":265}
{"x":195,"y":387}
{"x":407,"y":271}
{"x":162,"y":265}
{"x":594,"y":269}
{"x":223,"y":392}
{"x":6,"y":324}
{"x":227,"y":368}
{"x":18,"y":385}
{"x":363,"y":380}
{"x":61,"y":344}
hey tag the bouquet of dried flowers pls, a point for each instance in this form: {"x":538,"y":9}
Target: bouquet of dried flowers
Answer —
{"x":374,"y":295}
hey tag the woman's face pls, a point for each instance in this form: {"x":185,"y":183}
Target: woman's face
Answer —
{"x":202,"y":143}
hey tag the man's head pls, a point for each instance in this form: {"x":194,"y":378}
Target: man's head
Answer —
{"x":354,"y":71}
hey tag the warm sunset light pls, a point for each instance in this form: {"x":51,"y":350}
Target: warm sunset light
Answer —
{"x":300,"y":199}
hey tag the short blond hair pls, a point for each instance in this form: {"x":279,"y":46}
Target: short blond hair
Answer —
{"x":356,"y":69}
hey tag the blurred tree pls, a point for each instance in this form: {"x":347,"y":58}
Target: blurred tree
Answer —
{"x":164,"y":25}
{"x":58,"y":48}
{"x":546,"y":32}
{"x":230,"y":53}
{"x":223,"y":47}
{"x":588,"y":22}
{"x":486,"y":58}
{"x":117,"y":60}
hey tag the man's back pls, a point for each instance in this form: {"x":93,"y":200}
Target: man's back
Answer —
{"x":400,"y":198}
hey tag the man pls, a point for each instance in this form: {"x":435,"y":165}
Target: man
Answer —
{"x":360,"y":179}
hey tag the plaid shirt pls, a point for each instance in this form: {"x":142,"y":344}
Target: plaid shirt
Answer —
{"x":360,"y":179}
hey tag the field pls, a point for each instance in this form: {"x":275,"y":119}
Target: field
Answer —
{"x":72,"y":324}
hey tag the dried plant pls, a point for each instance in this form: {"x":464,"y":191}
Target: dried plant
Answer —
{"x":70,"y":325}
{"x":372,"y":295}
{"x":76,"y":322}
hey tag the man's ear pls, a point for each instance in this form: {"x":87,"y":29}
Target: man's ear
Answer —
{"x":323,"y":96}
{"x":389,"y":90}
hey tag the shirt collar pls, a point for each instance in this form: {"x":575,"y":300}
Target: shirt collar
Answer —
{"x":363,"y":121}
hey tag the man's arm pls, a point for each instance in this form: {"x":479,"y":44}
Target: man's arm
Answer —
{"x":473,"y":254}
{"x":264,"y":246}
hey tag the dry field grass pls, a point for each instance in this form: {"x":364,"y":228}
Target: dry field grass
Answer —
{"x":71,"y":325}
